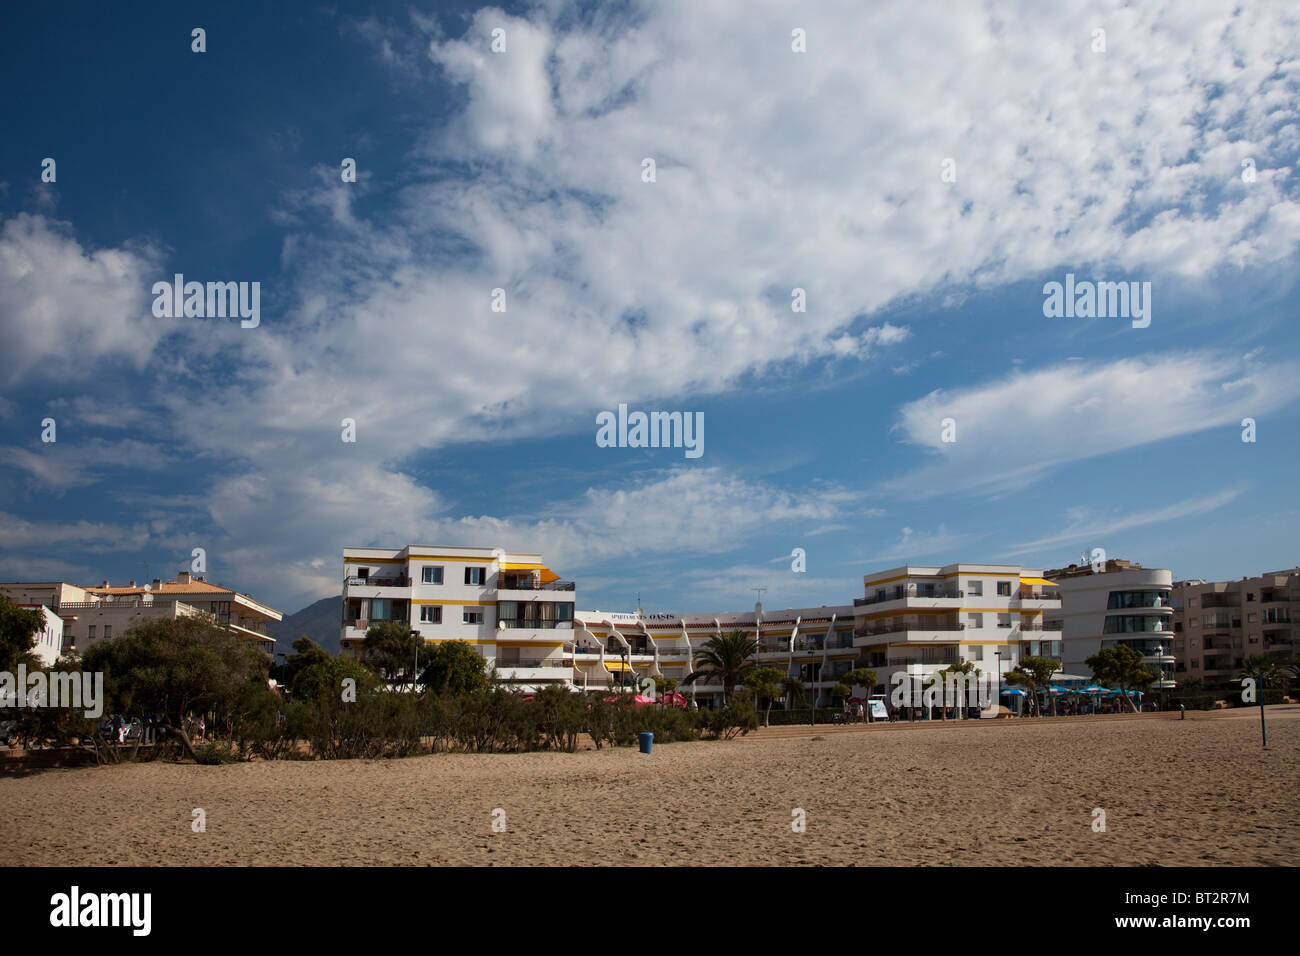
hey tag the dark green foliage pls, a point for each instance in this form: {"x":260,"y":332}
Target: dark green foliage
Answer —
{"x":18,"y":629}
{"x":454,"y":667}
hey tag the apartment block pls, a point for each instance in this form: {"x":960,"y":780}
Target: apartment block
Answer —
{"x":1218,"y":624}
{"x":93,"y":614}
{"x":513,"y":609}
{"x":1120,"y":603}
{"x":917,"y":620}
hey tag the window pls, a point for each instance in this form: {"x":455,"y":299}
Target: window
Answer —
{"x":430,"y":574}
{"x":1196,"y":665}
{"x":475,"y":575}
{"x":90,"y":632}
{"x":1250,"y":597}
{"x":975,"y":588}
{"x":473,"y":616}
{"x":974,"y":620}
{"x":1004,"y":620}
{"x":976,"y":652}
{"x":430,"y":614}
{"x":1277,"y":615}
{"x":363,"y":573}
{"x":880,"y":594}
{"x":1252,"y":617}
{"x":1004,"y":589}
{"x":108,"y":630}
{"x":1178,"y":647}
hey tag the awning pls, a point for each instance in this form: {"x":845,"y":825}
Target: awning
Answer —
{"x":1041,"y":582}
{"x":547,"y":574}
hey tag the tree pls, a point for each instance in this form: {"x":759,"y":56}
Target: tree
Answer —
{"x":765,"y":682}
{"x":1036,"y":673}
{"x":323,"y":679}
{"x":1122,"y":667}
{"x":725,"y":659}
{"x":963,"y":669}
{"x":306,"y":653}
{"x":454,"y":667}
{"x":841,"y":690}
{"x":795,"y":688}
{"x":173,"y":666}
{"x":18,"y":629}
{"x":392,"y":650}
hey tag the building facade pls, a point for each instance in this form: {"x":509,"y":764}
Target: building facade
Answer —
{"x":1218,"y":624}
{"x":513,"y":609}
{"x":1122,"y":603}
{"x":93,"y":614}
{"x":912,"y":622}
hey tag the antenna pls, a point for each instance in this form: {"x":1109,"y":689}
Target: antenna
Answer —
{"x":759,"y":603}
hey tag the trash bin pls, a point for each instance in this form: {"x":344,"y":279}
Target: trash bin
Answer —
{"x":645,"y":742}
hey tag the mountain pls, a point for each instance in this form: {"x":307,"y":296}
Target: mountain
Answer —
{"x":319,"y":621}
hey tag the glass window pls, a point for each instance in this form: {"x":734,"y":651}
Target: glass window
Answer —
{"x":974,"y":620}
{"x":430,"y":614}
{"x":1004,"y":620}
{"x":431,"y":575}
{"x":108,"y":630}
{"x":976,"y":652}
{"x":90,"y":632}
{"x":475,"y":575}
{"x":975,"y":588}
{"x":472,"y":616}
{"x":1004,"y":589}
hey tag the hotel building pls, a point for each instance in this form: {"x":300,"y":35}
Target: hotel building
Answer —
{"x":1123,"y":604}
{"x":93,"y":614}
{"x":1218,"y":624}
{"x":521,"y":617}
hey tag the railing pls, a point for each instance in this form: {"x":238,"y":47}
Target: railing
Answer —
{"x":526,"y":584}
{"x":1045,"y":626}
{"x":1220,"y":600}
{"x":1271,"y":597}
{"x":1039,"y":594}
{"x":533,"y":662}
{"x":945,"y":593}
{"x":900,"y":628}
{"x":398,"y":582}
{"x":529,"y":624}
{"x":924,"y":659}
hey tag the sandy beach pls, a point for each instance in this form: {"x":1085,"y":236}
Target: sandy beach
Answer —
{"x":1199,"y":791}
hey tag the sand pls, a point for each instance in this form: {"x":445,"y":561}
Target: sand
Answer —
{"x":1199,"y":791}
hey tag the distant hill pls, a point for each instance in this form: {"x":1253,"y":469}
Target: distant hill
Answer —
{"x":319,"y":621}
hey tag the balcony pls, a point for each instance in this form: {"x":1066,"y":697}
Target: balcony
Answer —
{"x":1221,"y":600}
{"x":913,"y":591}
{"x":532,"y":662}
{"x":1055,"y":626}
{"x":903,"y":628}
{"x":1039,"y":594}
{"x":929,"y":655}
{"x":529,"y":624}
{"x":525,"y":582}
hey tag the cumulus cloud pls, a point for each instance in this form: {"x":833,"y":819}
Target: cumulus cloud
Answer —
{"x":59,"y":299}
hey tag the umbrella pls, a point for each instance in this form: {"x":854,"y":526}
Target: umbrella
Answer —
{"x":1094,"y":689}
{"x":1059,"y":690}
{"x":856,"y":700}
{"x":1014,"y":692}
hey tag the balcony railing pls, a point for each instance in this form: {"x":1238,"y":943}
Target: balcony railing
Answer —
{"x":527,"y":584}
{"x":1039,"y":594}
{"x":529,"y":624}
{"x":533,"y":662}
{"x":901,"y":628}
{"x":944,"y":593}
{"x":401,"y":581}
{"x":1045,"y":626}
{"x":948,"y":657}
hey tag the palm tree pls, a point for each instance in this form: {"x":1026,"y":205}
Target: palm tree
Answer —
{"x":964,"y":668}
{"x":725,"y":660}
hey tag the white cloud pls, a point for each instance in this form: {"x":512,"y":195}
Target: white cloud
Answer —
{"x":1012,"y":431}
{"x":1084,"y":524}
{"x":58,"y":299}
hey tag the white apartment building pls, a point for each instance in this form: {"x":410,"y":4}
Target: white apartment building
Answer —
{"x":1123,"y":604}
{"x":93,"y":614}
{"x":49,"y":637}
{"x":915,"y":621}
{"x":513,"y":609}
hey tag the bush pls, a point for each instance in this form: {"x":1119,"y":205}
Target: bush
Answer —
{"x":211,"y":755}
{"x":736,"y":718}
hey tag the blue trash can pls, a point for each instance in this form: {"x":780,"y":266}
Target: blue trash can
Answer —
{"x":646,"y":742}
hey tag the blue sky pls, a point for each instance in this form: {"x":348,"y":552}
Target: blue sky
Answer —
{"x":522,"y":170}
